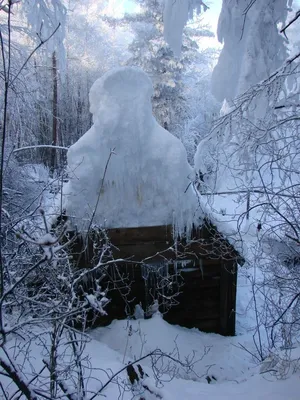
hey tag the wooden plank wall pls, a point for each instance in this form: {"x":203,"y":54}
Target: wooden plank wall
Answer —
{"x":208,"y":296}
{"x":199,"y":302}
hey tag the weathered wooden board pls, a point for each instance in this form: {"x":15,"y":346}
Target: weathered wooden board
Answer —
{"x":208,"y":270}
{"x":154,"y":239}
{"x":123,"y":236}
{"x":152,"y":251}
{"x":228,"y":299}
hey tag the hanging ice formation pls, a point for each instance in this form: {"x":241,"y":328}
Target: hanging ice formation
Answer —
{"x":145,"y":181}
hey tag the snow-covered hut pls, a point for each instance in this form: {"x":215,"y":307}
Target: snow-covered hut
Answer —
{"x":131,"y":177}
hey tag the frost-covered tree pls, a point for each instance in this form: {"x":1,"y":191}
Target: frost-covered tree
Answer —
{"x":253,"y":46}
{"x":84,"y":50}
{"x":50,"y":103}
{"x":32,"y":32}
{"x":23,"y":43}
{"x":167,"y":72}
{"x":201,"y":110}
{"x":92,"y":47}
{"x":254,"y":151}
{"x":253,"y":49}
{"x":257,"y":166}
{"x":154,"y":56}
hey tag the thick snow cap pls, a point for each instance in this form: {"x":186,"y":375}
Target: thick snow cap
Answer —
{"x":145,"y":181}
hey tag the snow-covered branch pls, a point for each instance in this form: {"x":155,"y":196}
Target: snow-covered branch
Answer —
{"x":176,"y":14}
{"x":40,"y":146}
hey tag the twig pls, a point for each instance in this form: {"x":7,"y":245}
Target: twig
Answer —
{"x":248,"y":351}
{"x":42,"y":42}
{"x":156,"y":352}
{"x":64,"y":388}
{"x":282,"y":315}
{"x":100,"y":190}
{"x":3,"y":391}
{"x":297,"y":15}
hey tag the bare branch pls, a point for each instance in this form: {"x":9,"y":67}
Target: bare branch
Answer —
{"x":42,"y":42}
{"x":40,"y":146}
{"x":297,"y":15}
{"x":18,"y":380}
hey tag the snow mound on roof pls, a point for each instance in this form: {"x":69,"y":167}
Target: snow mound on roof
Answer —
{"x":145,"y":181}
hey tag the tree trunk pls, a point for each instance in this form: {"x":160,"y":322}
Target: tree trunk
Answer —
{"x":53,"y":162}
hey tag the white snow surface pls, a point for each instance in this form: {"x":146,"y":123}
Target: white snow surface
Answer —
{"x":127,"y":165}
{"x":111,"y":348}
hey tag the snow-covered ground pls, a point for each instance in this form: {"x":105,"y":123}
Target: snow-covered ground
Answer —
{"x":232,"y":371}
{"x":235,"y":371}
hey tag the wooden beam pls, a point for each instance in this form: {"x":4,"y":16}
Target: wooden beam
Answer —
{"x":157,"y":234}
{"x":207,"y":241}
